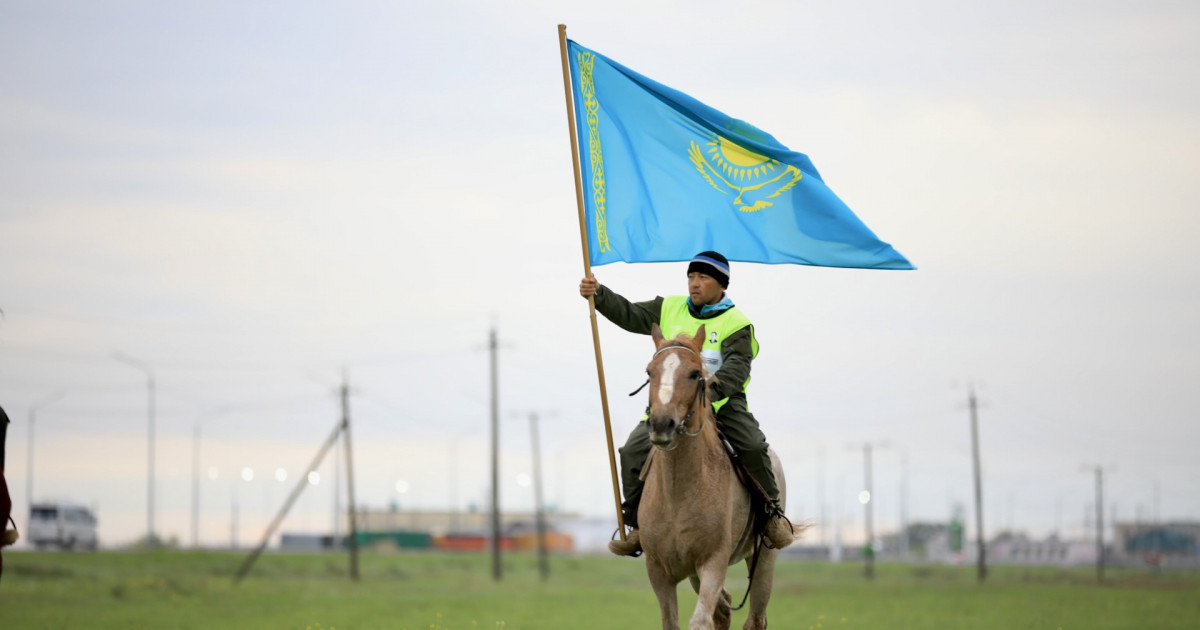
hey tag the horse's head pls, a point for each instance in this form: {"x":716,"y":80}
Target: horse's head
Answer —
{"x":677,"y":382}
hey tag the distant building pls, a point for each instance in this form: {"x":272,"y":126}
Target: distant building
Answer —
{"x":1174,"y":544}
{"x":445,"y":522}
{"x":432,"y":529}
{"x":1022,"y":550}
{"x":945,"y":543}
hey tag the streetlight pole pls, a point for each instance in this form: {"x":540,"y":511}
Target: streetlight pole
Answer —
{"x":33,"y":409}
{"x":141,"y":365}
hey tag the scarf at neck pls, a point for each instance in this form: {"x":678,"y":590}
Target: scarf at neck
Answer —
{"x":723,"y":305}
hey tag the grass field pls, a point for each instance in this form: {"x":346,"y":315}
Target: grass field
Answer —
{"x":440,"y":591}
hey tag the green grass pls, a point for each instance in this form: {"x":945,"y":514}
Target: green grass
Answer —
{"x":438,"y":591}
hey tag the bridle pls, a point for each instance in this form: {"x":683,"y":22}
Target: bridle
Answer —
{"x":697,"y":400}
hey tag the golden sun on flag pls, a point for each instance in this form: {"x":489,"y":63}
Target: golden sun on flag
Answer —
{"x":737,"y":161}
{"x":730,"y":167}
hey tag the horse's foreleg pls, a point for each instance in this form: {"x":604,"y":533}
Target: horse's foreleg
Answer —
{"x":664,"y":590}
{"x":710,"y":596}
{"x":760,"y":590}
{"x":723,"y":614}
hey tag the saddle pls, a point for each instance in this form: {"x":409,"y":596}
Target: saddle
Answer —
{"x":759,"y":501}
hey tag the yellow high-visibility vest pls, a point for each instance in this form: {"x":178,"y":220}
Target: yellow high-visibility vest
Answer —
{"x":676,"y":318}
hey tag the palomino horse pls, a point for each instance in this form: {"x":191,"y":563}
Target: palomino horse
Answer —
{"x":694,"y":511}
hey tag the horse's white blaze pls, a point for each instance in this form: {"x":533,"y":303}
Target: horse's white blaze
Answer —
{"x":666,"y":387}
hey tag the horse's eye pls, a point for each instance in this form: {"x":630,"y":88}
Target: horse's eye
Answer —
{"x":695,"y":375}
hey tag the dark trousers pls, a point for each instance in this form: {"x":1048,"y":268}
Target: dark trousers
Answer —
{"x":739,"y":427}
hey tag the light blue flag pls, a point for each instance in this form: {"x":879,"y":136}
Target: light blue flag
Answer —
{"x":665,"y":176}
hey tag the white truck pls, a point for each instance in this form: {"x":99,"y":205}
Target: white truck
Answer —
{"x":64,"y":525}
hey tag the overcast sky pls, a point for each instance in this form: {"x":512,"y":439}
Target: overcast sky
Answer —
{"x":253,"y":198}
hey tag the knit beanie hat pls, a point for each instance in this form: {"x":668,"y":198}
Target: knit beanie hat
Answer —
{"x":711,"y":264}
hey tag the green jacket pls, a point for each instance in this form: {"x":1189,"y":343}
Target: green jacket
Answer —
{"x":737,"y":349}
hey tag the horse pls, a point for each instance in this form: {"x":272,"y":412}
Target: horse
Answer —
{"x":695,"y":515}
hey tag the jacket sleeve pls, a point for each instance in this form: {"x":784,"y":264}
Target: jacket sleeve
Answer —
{"x":636,"y":317}
{"x":736,"y":354}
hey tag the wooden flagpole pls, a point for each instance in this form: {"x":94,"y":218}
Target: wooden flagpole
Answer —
{"x":587,"y":272}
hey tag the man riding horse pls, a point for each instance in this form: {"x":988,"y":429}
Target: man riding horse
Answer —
{"x":728,"y":351}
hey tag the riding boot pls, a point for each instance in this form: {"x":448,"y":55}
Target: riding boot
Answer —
{"x":633,"y":458}
{"x":778,"y":531}
{"x":631,"y":546}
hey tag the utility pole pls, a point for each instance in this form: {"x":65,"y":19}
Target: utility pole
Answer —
{"x":301,"y":483}
{"x":1099,"y":471}
{"x":973,"y":404}
{"x":866,"y":498}
{"x":543,"y":556}
{"x":497,"y":571}
{"x":345,"y":394}
{"x":869,"y":568}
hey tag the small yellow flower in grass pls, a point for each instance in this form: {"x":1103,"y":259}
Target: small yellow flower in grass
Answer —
{"x":844,"y":621}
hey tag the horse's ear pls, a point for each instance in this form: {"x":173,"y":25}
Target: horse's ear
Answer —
{"x":656,"y":333}
{"x":698,"y":340}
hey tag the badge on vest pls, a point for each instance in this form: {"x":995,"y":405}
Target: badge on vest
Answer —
{"x":712,"y":360}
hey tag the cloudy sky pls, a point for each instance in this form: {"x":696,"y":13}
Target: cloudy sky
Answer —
{"x":253,"y":199}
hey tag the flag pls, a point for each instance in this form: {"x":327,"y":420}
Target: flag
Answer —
{"x":666,"y":176}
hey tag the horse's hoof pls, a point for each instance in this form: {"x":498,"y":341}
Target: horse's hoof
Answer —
{"x":631,"y":546}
